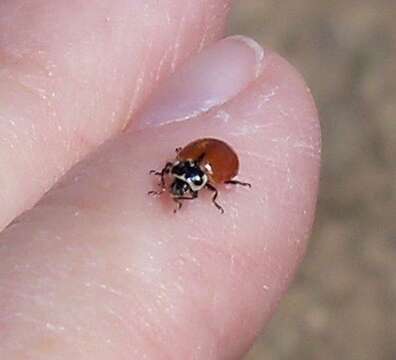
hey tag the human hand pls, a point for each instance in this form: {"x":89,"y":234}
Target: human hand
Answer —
{"x":99,"y":270}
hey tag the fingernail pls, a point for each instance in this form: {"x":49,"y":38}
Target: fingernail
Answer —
{"x":210,"y":79}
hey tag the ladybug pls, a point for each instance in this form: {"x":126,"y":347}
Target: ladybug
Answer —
{"x":202,"y":164}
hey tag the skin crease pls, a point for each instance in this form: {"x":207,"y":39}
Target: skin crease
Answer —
{"x":72,"y":73}
{"x":113,"y":274}
{"x":99,"y":270}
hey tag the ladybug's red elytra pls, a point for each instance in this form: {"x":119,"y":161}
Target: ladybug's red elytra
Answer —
{"x":201,"y":164}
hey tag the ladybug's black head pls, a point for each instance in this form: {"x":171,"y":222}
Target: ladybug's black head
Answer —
{"x":179,"y":188}
{"x":188,"y":178}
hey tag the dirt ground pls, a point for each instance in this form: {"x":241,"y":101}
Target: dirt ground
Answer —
{"x":343,"y":303}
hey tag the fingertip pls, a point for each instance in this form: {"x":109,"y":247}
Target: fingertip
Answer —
{"x":193,"y":284}
{"x":274,"y":127}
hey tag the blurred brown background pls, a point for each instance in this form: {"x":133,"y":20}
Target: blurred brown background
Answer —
{"x":343,"y":303}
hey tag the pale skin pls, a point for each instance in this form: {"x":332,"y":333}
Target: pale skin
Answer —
{"x":98,"y":269}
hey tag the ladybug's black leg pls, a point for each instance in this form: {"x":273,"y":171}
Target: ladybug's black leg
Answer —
{"x":179,"y":200}
{"x":214,"y":197}
{"x":162,"y":173}
{"x":155,"y":172}
{"x":178,"y":149}
{"x":165,"y":170}
{"x":237,"y":182}
{"x":179,"y":205}
{"x":156,"y":193}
